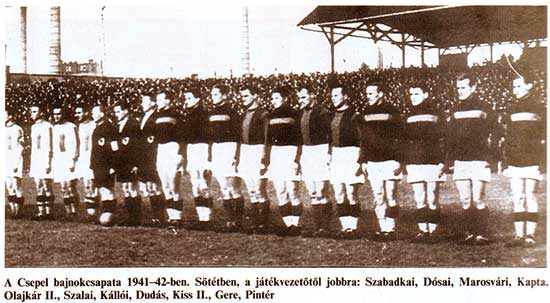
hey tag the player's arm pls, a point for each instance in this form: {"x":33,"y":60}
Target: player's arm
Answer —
{"x":50,"y":147}
{"x":19,"y":148}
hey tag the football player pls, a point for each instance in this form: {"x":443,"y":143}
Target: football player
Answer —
{"x":470,"y":125}
{"x":14,"y":164}
{"x":169,"y":159}
{"x":65,"y":154}
{"x":344,"y":176}
{"x":41,"y":162}
{"x":425,"y":158}
{"x":85,"y":129}
{"x":379,"y":129}
{"x":147,"y":170}
{"x":127,"y":150}
{"x":281,"y":150}
{"x":525,"y":153}
{"x":314,"y":129}
{"x":223,"y":135}
{"x":196,"y":154}
{"x":102,"y":163}
{"x":249,"y":158}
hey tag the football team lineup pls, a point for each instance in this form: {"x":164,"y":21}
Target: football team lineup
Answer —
{"x":326,"y":150}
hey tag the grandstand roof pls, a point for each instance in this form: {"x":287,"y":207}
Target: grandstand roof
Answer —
{"x":442,"y":26}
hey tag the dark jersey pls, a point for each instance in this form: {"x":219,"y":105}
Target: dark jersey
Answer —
{"x":195,"y":125}
{"x":223,"y":124}
{"x":470,"y":125}
{"x":102,"y":156}
{"x":314,"y":125}
{"x":148,"y":140}
{"x":128,"y":141}
{"x":379,"y":132}
{"x":423,"y":134}
{"x":525,"y":132}
{"x":253,"y":126}
{"x":168,"y":126}
{"x":343,"y":132}
{"x":283,"y":127}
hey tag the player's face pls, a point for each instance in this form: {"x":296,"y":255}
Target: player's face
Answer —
{"x":373,"y":95}
{"x":120,"y":113}
{"x":277,"y":100}
{"x":162,"y":101}
{"x":520,"y":88}
{"x":97,"y":114}
{"x":247,"y":97}
{"x":190,"y":99}
{"x":217,"y":96}
{"x":57,"y":115}
{"x":35,"y":113}
{"x":338,"y":99}
{"x":79,"y":114}
{"x":147,"y":104}
{"x":417,"y":95}
{"x":304,"y":98}
{"x":464,"y":89}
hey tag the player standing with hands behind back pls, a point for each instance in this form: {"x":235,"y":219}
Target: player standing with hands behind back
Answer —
{"x":525,"y":155}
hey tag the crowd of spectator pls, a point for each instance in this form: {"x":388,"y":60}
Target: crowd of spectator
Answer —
{"x":494,"y":86}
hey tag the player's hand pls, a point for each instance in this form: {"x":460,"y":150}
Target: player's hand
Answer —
{"x":111,"y":171}
{"x":364,"y":169}
{"x":181,"y":167}
{"x":328,"y":159}
{"x":48,"y":169}
{"x":441,"y":168}
{"x":263,"y":170}
{"x":297,"y":168}
{"x":134,"y":170}
{"x":235,"y":165}
{"x":359,"y":171}
{"x":398,"y":170}
{"x":15,"y":170}
{"x":73,"y":164}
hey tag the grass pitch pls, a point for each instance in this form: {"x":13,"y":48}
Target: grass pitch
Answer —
{"x":75,"y":244}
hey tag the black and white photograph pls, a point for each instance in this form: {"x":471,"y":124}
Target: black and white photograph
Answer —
{"x":253,"y":136}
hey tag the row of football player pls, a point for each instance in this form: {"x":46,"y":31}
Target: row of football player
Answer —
{"x":313,"y":145}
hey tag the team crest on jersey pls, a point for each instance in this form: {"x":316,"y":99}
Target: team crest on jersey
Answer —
{"x":101,"y":141}
{"x":125,"y":140}
{"x":150,"y":139}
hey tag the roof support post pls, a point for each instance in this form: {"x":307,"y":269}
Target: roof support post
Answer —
{"x":491,"y":51}
{"x":403,"y":51}
{"x":331,"y":41}
{"x":422,"y":54}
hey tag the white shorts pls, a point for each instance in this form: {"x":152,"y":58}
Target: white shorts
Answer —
{"x":472,"y":170}
{"x":525,"y":172}
{"x":314,"y":163}
{"x":197,"y":157}
{"x":343,"y":165}
{"x":168,"y":160}
{"x":223,"y":155}
{"x":282,"y":165}
{"x":424,"y":173}
{"x":39,"y":163}
{"x":383,"y":170}
{"x":250,"y":162}
{"x":61,"y":171}
{"x":83,"y":169}
{"x":12,"y":163}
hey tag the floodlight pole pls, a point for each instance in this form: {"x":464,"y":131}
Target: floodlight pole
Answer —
{"x":331,"y":40}
{"x":403,"y":52}
{"x":422,"y":53}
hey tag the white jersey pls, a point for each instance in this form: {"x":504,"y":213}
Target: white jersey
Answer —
{"x":85,"y":131}
{"x":14,"y":152}
{"x":41,"y":149}
{"x":65,"y":142}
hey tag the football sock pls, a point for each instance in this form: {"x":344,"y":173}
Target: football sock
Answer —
{"x":284,"y":211}
{"x":171,"y":211}
{"x":203,"y":210}
{"x":531,"y":223}
{"x":296,"y":213}
{"x":519,"y":223}
{"x":238,"y":209}
{"x":264,"y":210}
{"x":254,"y":213}
{"x":229,"y":210}
{"x":326,"y":215}
{"x":316,"y":210}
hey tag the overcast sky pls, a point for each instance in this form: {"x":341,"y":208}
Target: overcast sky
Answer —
{"x":153,"y":41}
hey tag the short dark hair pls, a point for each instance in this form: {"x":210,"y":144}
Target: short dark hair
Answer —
{"x":337,"y":84}
{"x":472,"y":78}
{"x":123,"y":105}
{"x":379,"y":86}
{"x":251,"y":88}
{"x":420,"y":84}
{"x":224,"y":89}
{"x":195,"y":91}
{"x":282,"y":90}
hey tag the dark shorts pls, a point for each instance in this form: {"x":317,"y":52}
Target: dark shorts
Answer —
{"x":124,"y":174}
{"x":102,"y":178}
